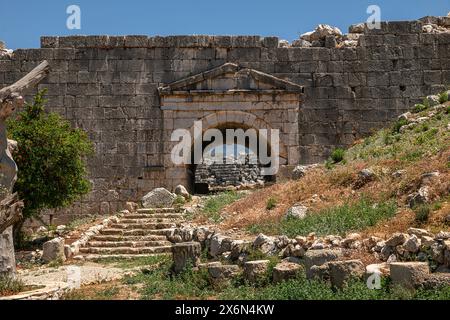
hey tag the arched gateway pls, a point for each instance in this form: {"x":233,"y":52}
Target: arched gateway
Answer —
{"x":230,"y":97}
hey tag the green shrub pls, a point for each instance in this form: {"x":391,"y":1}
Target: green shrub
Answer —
{"x":10,"y":285}
{"x":422,"y":213}
{"x":443,"y":97}
{"x":398,"y":124}
{"x":337,"y":155}
{"x":419,"y":108}
{"x":51,"y":159}
{"x":271,"y":203}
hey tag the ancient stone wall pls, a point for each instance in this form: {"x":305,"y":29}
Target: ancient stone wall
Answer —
{"x":109,"y":87}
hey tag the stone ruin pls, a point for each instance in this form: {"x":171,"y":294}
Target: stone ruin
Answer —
{"x":129,"y":93}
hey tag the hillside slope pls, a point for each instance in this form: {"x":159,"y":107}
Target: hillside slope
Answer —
{"x":397,"y":178}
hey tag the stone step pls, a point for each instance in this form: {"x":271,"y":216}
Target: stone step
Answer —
{"x":154,"y":215}
{"x":126,"y":250}
{"x":150,"y":220}
{"x":135,"y":232}
{"x":159,"y":210}
{"x":97,"y":257}
{"x":113,"y":238}
{"x":150,"y":226}
{"x":131,"y":244}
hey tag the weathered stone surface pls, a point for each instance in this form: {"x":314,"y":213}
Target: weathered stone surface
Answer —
{"x":297,"y":212}
{"x":222,"y":273}
{"x":265,"y":244}
{"x":181,"y":191}
{"x":285,"y":271}
{"x":343,"y":271}
{"x":186,"y":254}
{"x":53,"y":250}
{"x":255,"y":271}
{"x":412,"y":244}
{"x":409,"y":274}
{"x":396,"y":239}
{"x":320,"y":257}
{"x":158,"y":198}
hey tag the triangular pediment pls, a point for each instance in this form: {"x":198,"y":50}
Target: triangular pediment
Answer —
{"x":229,"y":78}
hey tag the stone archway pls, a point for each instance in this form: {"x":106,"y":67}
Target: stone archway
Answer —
{"x":230,"y":96}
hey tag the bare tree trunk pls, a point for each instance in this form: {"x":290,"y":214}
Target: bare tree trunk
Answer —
{"x":11,"y":207}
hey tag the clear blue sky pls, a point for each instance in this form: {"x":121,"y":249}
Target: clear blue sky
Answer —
{"x":23,"y":22}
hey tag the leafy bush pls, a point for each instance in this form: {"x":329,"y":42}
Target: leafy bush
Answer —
{"x":271,"y":203}
{"x":337,"y":155}
{"x":443,"y":97}
{"x":422,"y":213}
{"x":419,"y":108}
{"x":337,"y":220}
{"x":50,"y":157}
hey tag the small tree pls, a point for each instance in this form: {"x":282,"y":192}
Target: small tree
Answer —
{"x":50,"y":158}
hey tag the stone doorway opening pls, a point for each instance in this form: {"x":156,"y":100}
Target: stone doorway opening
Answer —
{"x":230,"y":164}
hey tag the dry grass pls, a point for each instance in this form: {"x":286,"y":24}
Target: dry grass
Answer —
{"x":322,"y":188}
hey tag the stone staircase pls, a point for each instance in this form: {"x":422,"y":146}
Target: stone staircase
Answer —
{"x":139,"y":234}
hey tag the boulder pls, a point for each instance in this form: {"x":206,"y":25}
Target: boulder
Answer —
{"x":442,"y":235}
{"x":158,"y":198}
{"x":396,"y":239}
{"x":432,"y":100}
{"x":364,"y":176}
{"x":350,"y":240}
{"x":222,"y":273}
{"x":419,"y":232}
{"x":255,"y":271}
{"x":412,"y":244}
{"x":238,"y":247}
{"x":297,"y":212}
{"x":409,"y":274}
{"x":324,"y":30}
{"x":419,"y":197}
{"x":343,"y":271}
{"x":320,"y":257}
{"x":219,"y":244}
{"x":357,"y":28}
{"x":53,"y":250}
{"x":265,"y":244}
{"x":285,"y":271}
{"x":181,"y":191}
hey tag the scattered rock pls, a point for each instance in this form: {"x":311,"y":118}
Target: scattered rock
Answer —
{"x":398,"y":174}
{"x":297,"y":212}
{"x":343,"y":271}
{"x":364,"y":176}
{"x":396,"y":239}
{"x":419,"y":232}
{"x":219,"y":244}
{"x":350,"y":240}
{"x":300,"y":43}
{"x":131,"y":206}
{"x":429,"y":177}
{"x":432,"y":100}
{"x":409,"y":274}
{"x":238,"y":247}
{"x":255,"y":271}
{"x":265,"y":244}
{"x":53,"y":250}
{"x":320,"y":257}
{"x":285,"y":271}
{"x":219,"y":273}
{"x":158,"y":198}
{"x":283,"y":44}
{"x":181,"y":191}
{"x":419,"y":197}
{"x":412,"y":244}
{"x":442,"y":235}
